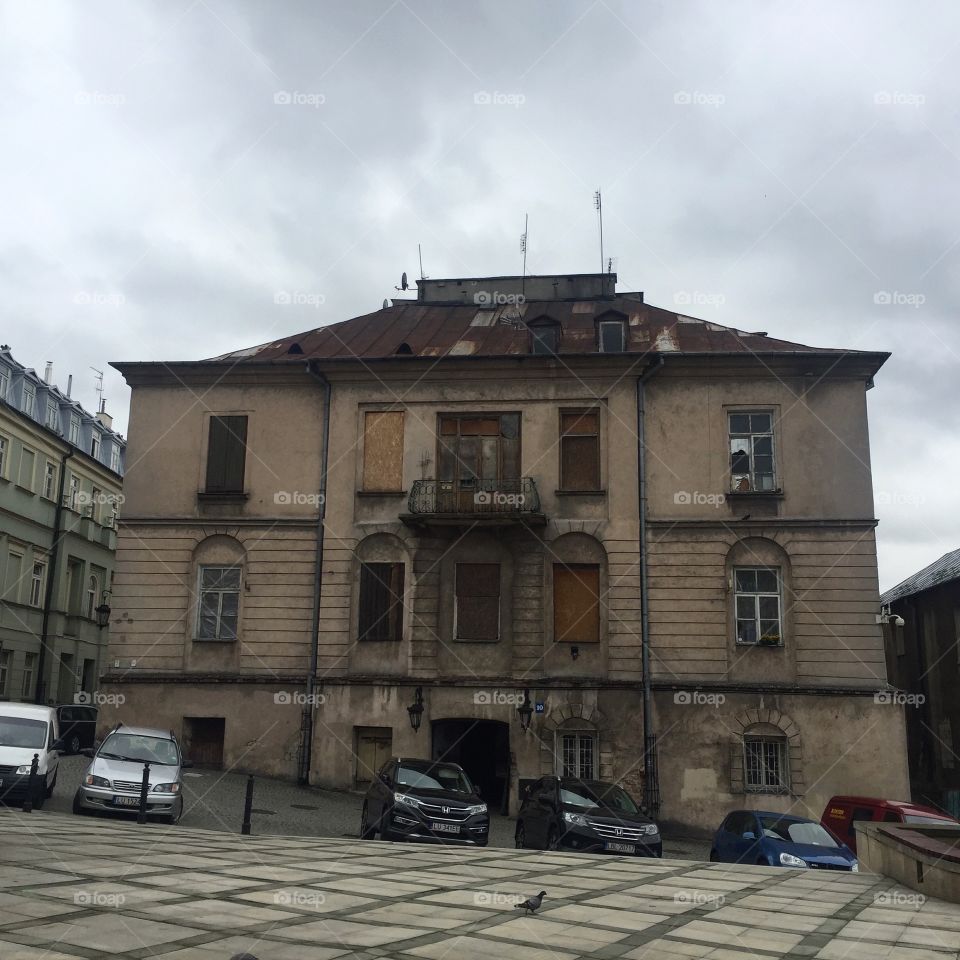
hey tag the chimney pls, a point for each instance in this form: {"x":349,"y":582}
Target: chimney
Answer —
{"x":69,"y":384}
{"x":103,"y":416}
{"x":48,"y":373}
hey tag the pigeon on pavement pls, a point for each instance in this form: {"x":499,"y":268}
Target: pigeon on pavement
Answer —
{"x":532,"y":904}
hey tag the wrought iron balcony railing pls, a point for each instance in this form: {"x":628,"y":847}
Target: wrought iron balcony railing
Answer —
{"x":474,"y":498}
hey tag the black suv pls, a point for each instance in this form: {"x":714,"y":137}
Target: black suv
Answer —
{"x":424,"y":800}
{"x":563,"y":813}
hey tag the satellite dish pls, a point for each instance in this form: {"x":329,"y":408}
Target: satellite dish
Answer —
{"x":403,"y":282}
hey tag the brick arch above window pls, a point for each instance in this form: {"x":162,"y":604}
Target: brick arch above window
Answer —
{"x":766,"y":722}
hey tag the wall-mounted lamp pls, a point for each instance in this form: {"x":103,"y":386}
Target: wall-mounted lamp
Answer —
{"x":525,"y":711}
{"x":416,"y":710}
{"x":574,"y":652}
{"x":103,"y":611}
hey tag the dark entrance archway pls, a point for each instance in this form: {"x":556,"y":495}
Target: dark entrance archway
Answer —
{"x":482,"y":748}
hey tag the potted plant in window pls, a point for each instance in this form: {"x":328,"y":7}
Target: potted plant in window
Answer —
{"x":769,"y":639}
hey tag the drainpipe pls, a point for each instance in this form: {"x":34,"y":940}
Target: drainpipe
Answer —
{"x":40,"y":692}
{"x":651,"y":788}
{"x":306,"y":724}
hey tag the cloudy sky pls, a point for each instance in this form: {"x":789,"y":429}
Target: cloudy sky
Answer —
{"x":169,"y":168}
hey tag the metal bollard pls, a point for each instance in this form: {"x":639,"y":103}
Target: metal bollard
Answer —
{"x":144,"y":790}
{"x":247,"y":807}
{"x":31,"y":784}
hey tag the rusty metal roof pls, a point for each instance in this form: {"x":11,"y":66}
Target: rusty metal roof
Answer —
{"x":944,"y":570}
{"x":410,"y":328}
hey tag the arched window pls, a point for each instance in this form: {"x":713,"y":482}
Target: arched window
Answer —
{"x":766,"y":759}
{"x":577,"y":751}
{"x":219,"y":562}
{"x":381,"y":588}
{"x":93,"y":591}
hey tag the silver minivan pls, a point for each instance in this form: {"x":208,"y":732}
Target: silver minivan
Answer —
{"x":25,"y":730}
{"x":113,"y":780}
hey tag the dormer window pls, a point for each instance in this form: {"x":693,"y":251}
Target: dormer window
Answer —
{"x":544,"y":339}
{"x":611,"y":336}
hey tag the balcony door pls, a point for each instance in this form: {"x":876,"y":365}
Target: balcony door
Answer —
{"x":476,"y":454}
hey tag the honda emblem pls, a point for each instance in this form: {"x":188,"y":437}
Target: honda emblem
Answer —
{"x":445,"y":809}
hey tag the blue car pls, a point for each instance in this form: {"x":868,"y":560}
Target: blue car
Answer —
{"x":779,"y":840}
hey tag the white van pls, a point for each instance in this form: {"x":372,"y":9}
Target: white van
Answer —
{"x":26,"y":730}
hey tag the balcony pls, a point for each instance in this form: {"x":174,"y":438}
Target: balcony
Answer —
{"x":474,"y":503}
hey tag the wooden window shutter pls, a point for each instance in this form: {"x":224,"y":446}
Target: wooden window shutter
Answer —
{"x":226,"y":454}
{"x":580,"y":450}
{"x":576,"y":603}
{"x":383,"y":450}
{"x":478,"y":601}
{"x":381,"y":601}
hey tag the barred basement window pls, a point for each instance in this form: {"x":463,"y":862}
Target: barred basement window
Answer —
{"x":219,"y":604}
{"x":765,"y":765}
{"x":381,"y":601}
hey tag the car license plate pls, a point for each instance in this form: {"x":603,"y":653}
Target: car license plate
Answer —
{"x":126,"y":801}
{"x":445,"y":827}
{"x":620,"y":847}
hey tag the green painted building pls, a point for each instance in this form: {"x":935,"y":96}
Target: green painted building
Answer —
{"x":61,"y":477}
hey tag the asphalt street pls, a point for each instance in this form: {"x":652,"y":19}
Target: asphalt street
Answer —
{"x":214,"y":801}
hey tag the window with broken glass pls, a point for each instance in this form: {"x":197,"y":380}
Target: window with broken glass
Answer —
{"x":219,"y":605}
{"x":765,"y":765}
{"x":757,"y":591}
{"x":479,"y":453}
{"x":751,"y":452}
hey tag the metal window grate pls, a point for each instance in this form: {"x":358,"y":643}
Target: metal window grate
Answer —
{"x":765,"y":765}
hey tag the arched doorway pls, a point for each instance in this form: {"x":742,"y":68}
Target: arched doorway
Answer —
{"x":482,"y":748}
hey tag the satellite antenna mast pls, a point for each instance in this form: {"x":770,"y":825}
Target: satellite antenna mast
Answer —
{"x":523,"y":250}
{"x":598,"y":203}
{"x":420,"y":255}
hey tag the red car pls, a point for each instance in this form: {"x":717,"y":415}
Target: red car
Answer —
{"x":841,"y":814}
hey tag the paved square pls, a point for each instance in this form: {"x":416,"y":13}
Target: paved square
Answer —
{"x":73,"y":888}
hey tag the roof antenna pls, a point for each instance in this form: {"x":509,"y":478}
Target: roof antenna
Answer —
{"x":423,"y":276}
{"x":523,"y":250}
{"x":598,"y":203}
{"x":99,"y":379}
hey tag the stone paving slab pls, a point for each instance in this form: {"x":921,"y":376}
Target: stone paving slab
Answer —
{"x":91,"y":888}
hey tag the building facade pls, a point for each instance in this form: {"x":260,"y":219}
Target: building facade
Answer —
{"x":60,"y":493}
{"x":419,"y":532}
{"x":922,"y":634}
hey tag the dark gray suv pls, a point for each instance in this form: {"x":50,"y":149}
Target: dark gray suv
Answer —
{"x":424,"y":800}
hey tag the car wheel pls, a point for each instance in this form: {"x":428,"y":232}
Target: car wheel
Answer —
{"x":520,"y":838}
{"x":367,"y":832}
{"x":762,"y":863}
{"x":78,"y":809}
{"x":73,"y":744}
{"x":713,"y":857}
{"x":553,"y":839}
{"x":173,"y":818}
{"x":48,"y":791}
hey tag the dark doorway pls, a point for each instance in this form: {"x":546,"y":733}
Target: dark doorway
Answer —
{"x":482,"y":748}
{"x":203,"y":741}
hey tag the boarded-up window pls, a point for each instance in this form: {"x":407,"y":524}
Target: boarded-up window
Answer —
{"x":381,"y":601}
{"x":478,"y":601}
{"x":383,"y":450}
{"x":579,"y":450}
{"x":226,"y":454}
{"x":576,"y":603}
